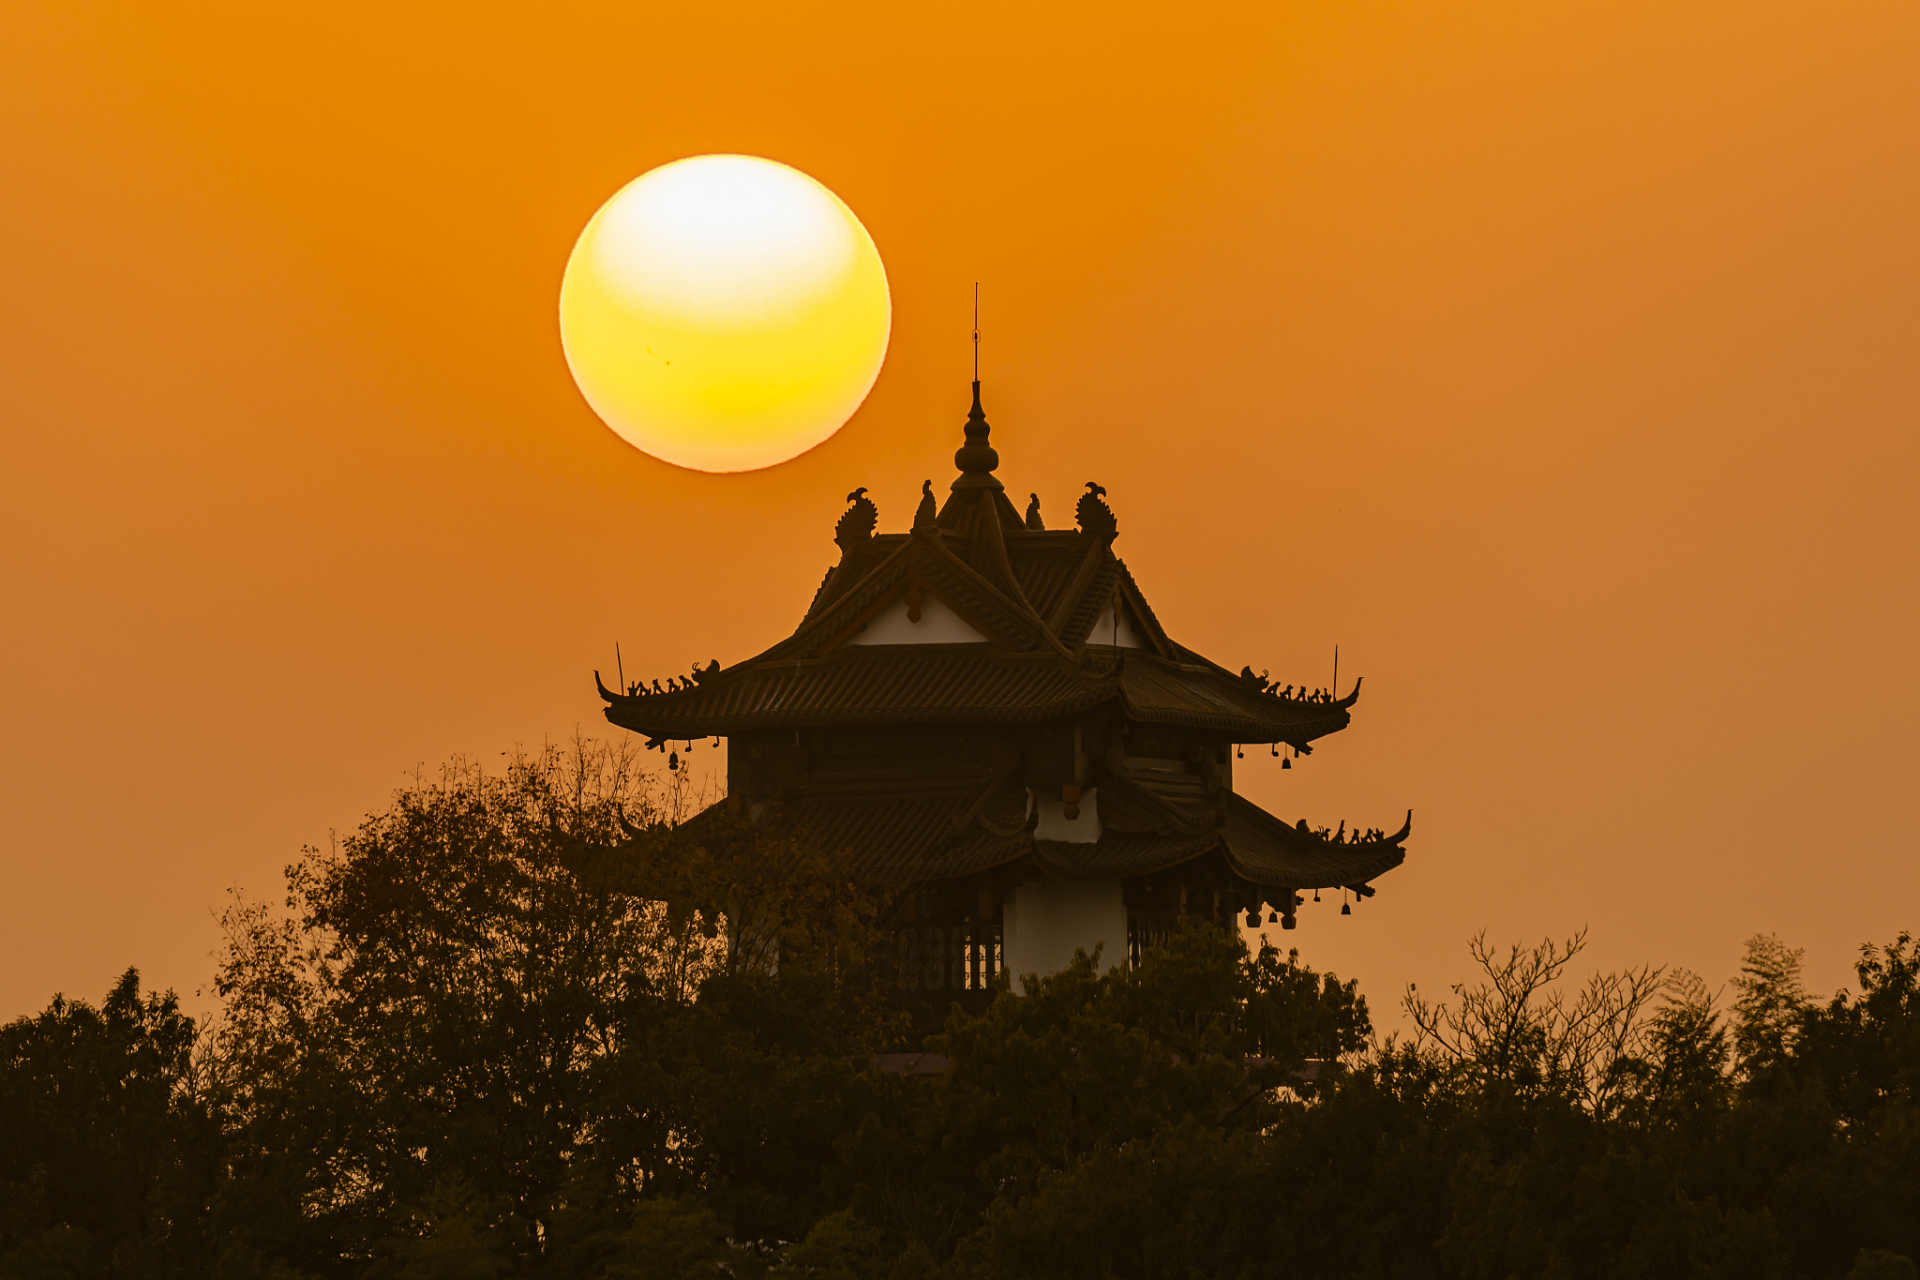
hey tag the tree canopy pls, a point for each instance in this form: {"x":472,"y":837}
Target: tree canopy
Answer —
{"x":530,"y":1024}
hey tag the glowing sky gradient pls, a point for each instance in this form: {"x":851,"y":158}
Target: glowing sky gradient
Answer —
{"x":1559,"y":362}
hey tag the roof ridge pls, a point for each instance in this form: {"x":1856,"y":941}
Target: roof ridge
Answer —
{"x":1070,"y":598}
{"x":1014,"y":622}
{"x":1097,"y":593}
{"x":997,"y":544}
{"x":1145,"y":611}
{"x":815,"y":619}
{"x":1184,"y":824}
{"x":1027,"y":615}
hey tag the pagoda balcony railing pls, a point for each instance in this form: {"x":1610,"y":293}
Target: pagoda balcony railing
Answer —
{"x":1146,"y":930}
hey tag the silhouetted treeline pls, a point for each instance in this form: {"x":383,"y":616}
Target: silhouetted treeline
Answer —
{"x":473,"y":1045}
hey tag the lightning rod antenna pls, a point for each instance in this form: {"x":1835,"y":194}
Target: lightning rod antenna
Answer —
{"x":976,"y":331}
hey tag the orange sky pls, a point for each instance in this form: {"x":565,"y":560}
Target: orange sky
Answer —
{"x":1556,"y":361}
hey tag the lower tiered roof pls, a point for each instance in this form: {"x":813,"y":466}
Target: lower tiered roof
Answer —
{"x":934,"y":827}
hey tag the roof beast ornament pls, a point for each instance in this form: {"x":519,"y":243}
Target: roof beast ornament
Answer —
{"x":858,"y":521}
{"x":1096,"y":517}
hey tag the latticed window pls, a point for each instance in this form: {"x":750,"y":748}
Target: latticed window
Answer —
{"x":960,"y":957}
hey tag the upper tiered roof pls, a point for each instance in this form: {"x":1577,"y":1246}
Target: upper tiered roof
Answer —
{"x":1029,"y":624}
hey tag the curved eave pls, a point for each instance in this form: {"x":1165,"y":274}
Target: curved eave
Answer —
{"x":1256,"y":846}
{"x":1270,"y":709}
{"x":1203,"y":698}
{"x":1266,"y":850}
{"x":961,"y":684}
{"x":868,"y":684}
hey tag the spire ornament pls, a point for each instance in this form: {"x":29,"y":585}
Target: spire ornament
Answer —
{"x":977,"y":459}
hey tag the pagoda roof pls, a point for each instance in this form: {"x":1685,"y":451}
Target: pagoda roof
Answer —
{"x":924,"y":829}
{"x":932,"y":684}
{"x":1037,"y":599}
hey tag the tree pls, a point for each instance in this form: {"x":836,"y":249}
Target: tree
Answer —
{"x":1052,"y":1085}
{"x":1771,"y":1003}
{"x":539,"y":1024}
{"x":439,"y":1007}
{"x":539,"y":998}
{"x":108,"y":1156}
{"x":1517,"y":1034}
{"x":1833,"y":1117}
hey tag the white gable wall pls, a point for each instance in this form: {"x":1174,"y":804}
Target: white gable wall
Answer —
{"x":1126,"y":636}
{"x":938,"y":625}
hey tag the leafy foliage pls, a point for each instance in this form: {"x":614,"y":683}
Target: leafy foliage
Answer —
{"x":534,"y":1024}
{"x":108,"y":1152}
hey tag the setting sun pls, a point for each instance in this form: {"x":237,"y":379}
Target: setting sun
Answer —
{"x":725,"y":313}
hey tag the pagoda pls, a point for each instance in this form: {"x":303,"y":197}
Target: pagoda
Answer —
{"x":987,"y":715}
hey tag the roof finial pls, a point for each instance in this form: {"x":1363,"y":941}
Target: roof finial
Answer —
{"x":977,"y":458}
{"x":976,"y":339}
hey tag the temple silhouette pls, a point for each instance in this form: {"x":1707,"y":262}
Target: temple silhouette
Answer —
{"x":988,"y":712}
